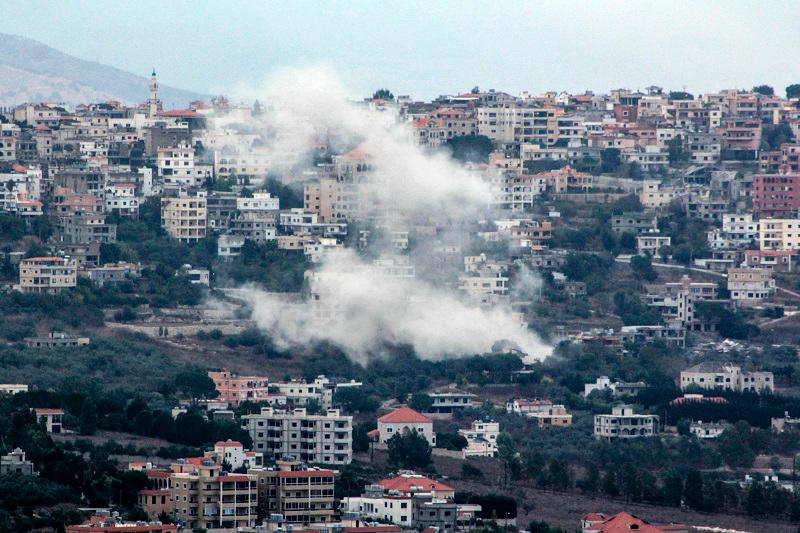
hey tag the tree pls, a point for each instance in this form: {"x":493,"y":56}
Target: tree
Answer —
{"x":766,"y":90}
{"x":421,"y":402}
{"x":409,"y":450}
{"x":673,"y":489}
{"x":642,"y":266}
{"x":195,"y":382}
{"x":451,"y":441}
{"x":88,"y":417}
{"x":472,"y":148}
{"x":610,"y":160}
{"x":383,"y":94}
{"x":693,"y":490}
{"x":680,"y":95}
{"x":507,"y":453}
{"x":610,"y":484}
{"x":355,"y":400}
{"x":793,"y":91}
{"x":754,"y":502}
{"x":470,"y":471}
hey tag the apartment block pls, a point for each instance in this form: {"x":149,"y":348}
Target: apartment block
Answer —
{"x":726,"y":376}
{"x":47,"y":274}
{"x":323,"y":438}
{"x":750,"y":285}
{"x":299,"y":494}
{"x":237,"y":389}
{"x":184,"y":216}
{"x":779,"y":234}
{"x":776,"y":195}
{"x":206,"y":497}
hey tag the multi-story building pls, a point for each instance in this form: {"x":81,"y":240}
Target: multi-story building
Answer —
{"x":206,"y":497}
{"x":14,"y":462}
{"x":403,"y":420}
{"x":301,"y":495}
{"x":738,"y":231}
{"x":121,"y":198}
{"x":726,"y":376}
{"x":184,"y":215}
{"x":776,"y":195}
{"x":651,"y":243}
{"x":655,"y":195}
{"x":634,"y":223}
{"x":324,"y":438}
{"x":47,"y":274}
{"x":779,"y":234}
{"x":776,"y":260}
{"x":237,"y":389}
{"x":750,"y":285}
{"x":450,"y":399}
{"x":551,"y":416}
{"x":178,"y":168}
{"x":51,"y":418}
{"x":623,"y":423}
{"x":481,"y":438}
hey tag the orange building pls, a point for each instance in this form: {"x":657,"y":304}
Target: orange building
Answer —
{"x":236,"y":389}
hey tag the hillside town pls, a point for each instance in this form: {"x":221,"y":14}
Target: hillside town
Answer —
{"x":181,"y":351}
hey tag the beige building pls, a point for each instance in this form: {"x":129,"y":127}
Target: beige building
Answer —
{"x":551,"y":416}
{"x":302,"y":495}
{"x":654,"y":195}
{"x":750,"y":285}
{"x":623,"y":423}
{"x":184,"y":216}
{"x":726,"y":376}
{"x":205,"y":497}
{"x":47,"y":274}
{"x":779,"y":234}
{"x":324,"y":438}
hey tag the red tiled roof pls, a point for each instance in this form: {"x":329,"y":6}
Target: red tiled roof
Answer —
{"x":50,"y":411}
{"x":184,"y":113}
{"x":413,"y":484}
{"x":356,"y":154}
{"x":19,"y":168}
{"x":229,"y":444}
{"x":155,"y":474}
{"x":404,"y":414}
{"x":625,"y":522}
{"x":234,"y":477}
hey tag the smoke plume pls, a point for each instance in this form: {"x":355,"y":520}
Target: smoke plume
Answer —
{"x":352,"y":303}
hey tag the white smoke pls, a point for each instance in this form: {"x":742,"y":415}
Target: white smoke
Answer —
{"x":359,"y":308}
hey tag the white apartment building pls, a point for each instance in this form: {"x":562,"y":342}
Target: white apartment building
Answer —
{"x":726,"y":376}
{"x":121,"y":197}
{"x":623,"y":423}
{"x":449,"y":399}
{"x":376,"y":505}
{"x":177,"y":166}
{"x":738,"y":231}
{"x":515,"y":125}
{"x":779,"y":234}
{"x":299,"y":393}
{"x":486,"y":288}
{"x":651,"y":242}
{"x":324,"y":438}
{"x":405,"y":419}
{"x":481,"y":439}
{"x":230,"y":246}
{"x":750,"y":285}
{"x":260,"y":202}
{"x":707,"y":430}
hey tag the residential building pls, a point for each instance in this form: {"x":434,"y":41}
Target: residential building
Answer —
{"x":623,"y":423}
{"x":14,"y":462}
{"x":634,"y":223}
{"x":481,"y":438}
{"x":230,"y":246}
{"x":183,"y":216}
{"x":51,"y":418}
{"x":56,"y":339}
{"x":750,"y":285}
{"x":402,"y":420}
{"x":551,"y":416}
{"x":47,"y":274}
{"x":13,"y":388}
{"x":601,"y":523}
{"x":324,"y":438}
{"x":154,"y":502}
{"x":776,"y":195}
{"x":779,"y":234}
{"x":235,"y":389}
{"x":112,"y":523}
{"x":707,"y":430}
{"x":775,"y":260}
{"x":726,"y":376}
{"x":651,"y":243}
{"x":206,"y":497}
{"x":450,"y":399}
{"x":655,"y":195}
{"x":301,"y":495}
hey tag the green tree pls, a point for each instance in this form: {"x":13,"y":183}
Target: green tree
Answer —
{"x":473,"y":148}
{"x":507,"y":453}
{"x":642,"y":266}
{"x":766,"y":90}
{"x":673,"y":489}
{"x":195,"y":383}
{"x":610,"y":160}
{"x":693,"y":490}
{"x":383,"y":94}
{"x":754,"y":502}
{"x":680,"y":95}
{"x":88,"y":417}
{"x":409,"y":450}
{"x":420,"y":401}
{"x":793,"y":91}
{"x":610,"y":484}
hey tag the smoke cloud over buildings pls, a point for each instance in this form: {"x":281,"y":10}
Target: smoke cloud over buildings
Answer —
{"x":353,"y":303}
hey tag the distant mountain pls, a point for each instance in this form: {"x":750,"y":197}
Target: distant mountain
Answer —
{"x":33,"y":72}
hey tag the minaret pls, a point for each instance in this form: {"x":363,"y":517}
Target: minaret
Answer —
{"x":153,"y":95}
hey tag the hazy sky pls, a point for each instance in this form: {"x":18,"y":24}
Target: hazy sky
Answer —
{"x":427,"y":48}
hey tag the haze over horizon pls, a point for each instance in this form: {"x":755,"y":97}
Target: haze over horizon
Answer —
{"x":418,"y":48}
